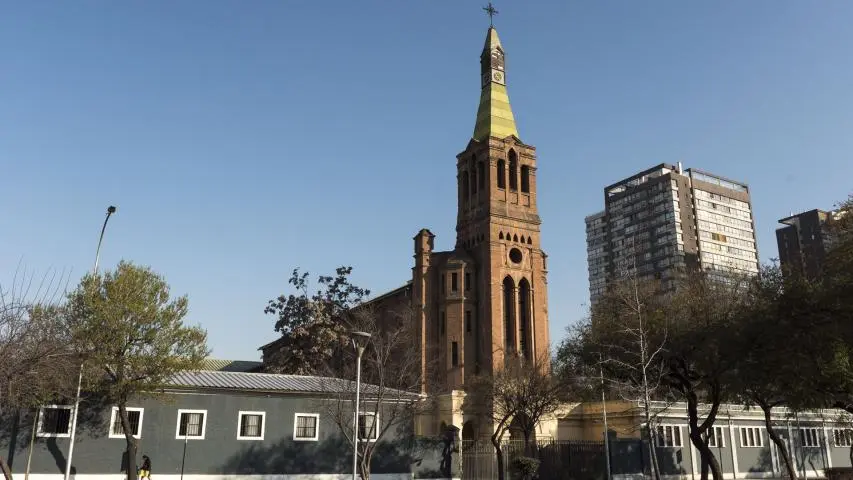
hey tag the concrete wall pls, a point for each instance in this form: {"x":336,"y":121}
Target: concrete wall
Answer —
{"x":220,"y":452}
{"x":737,"y":460}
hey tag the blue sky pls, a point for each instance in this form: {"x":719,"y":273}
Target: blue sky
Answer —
{"x":242,"y":139}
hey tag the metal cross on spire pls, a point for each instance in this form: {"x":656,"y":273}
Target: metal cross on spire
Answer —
{"x":491,"y":12}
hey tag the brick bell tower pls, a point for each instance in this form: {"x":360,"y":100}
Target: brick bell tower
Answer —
{"x":485,"y":301}
{"x":498,"y":225}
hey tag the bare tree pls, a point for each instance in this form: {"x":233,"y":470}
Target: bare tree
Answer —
{"x":626,"y":336}
{"x":391,"y":379}
{"x":35,"y":361}
{"x":520,"y":394}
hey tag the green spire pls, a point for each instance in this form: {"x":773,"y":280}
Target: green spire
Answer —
{"x":494,"y":116}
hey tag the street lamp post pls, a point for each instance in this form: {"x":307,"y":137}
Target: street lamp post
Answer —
{"x":110,"y":210}
{"x":359,"y":342}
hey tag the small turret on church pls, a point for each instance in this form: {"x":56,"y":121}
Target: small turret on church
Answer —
{"x":485,"y":302}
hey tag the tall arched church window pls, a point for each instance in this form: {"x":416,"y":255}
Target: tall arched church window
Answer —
{"x":464,"y":184}
{"x":513,"y":170}
{"x":525,"y":179}
{"x":501,"y":174}
{"x":473,"y":169}
{"x":509,"y":315}
{"x":524,"y":319}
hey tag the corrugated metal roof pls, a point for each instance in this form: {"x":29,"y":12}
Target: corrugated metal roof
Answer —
{"x":230,"y":365}
{"x":270,"y":382}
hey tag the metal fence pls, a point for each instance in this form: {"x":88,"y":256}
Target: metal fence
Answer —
{"x":560,"y":460}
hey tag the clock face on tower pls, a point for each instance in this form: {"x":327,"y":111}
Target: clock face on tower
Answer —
{"x":497,"y":60}
{"x":498,"y":77}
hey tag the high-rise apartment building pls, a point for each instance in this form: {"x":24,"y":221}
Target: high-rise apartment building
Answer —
{"x":804,"y":240}
{"x":663,"y":220}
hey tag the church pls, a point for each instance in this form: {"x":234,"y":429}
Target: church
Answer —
{"x":484,"y":302}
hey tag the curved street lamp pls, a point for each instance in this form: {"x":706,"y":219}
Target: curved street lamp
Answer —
{"x":110,"y":210}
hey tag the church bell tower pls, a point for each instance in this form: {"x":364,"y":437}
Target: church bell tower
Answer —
{"x":498,"y":225}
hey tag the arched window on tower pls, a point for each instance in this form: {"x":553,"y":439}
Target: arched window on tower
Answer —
{"x":501,"y":236}
{"x":473,"y":169}
{"x":524,"y":329}
{"x":481,"y":174}
{"x":464,"y":184}
{"x":501,"y":174}
{"x":509,"y":315}
{"x":513,"y":170}
{"x":525,"y":179}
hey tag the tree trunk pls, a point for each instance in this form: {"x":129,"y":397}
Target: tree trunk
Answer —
{"x":364,"y":463}
{"x":7,"y":472}
{"x":777,"y":440}
{"x":529,"y":447}
{"x":499,"y":455}
{"x":130,"y":439}
{"x":705,"y":453}
{"x":651,"y":435}
{"x":696,"y":432}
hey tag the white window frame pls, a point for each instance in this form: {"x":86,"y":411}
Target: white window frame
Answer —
{"x":716,"y":432}
{"x":677,"y":442}
{"x":42,"y":434}
{"x":316,"y":436}
{"x":758,"y":440}
{"x":114,"y":415}
{"x":810,"y":437}
{"x":843,"y":434}
{"x":375,"y":416}
{"x":240,"y":414}
{"x":178,"y":435}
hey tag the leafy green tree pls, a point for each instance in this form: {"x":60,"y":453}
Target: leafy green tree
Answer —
{"x":313,"y":326}
{"x":701,"y":317}
{"x":133,"y":338}
{"x":772,"y":370}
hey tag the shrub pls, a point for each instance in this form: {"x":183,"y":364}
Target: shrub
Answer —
{"x":524,"y":468}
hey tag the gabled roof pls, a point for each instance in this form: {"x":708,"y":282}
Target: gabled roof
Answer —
{"x":275,"y":382}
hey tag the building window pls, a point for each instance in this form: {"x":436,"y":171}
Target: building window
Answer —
{"x":467,"y":281}
{"x":454,"y":282}
{"x":454,"y":354}
{"x":250,"y":425}
{"x":134,"y":416}
{"x":809,"y":437}
{"x":54,"y":421}
{"x":441,"y":323}
{"x":525,"y":179}
{"x":513,"y":170}
{"x":464,"y":184}
{"x":191,"y":424}
{"x":367,"y":426}
{"x":501,"y":174}
{"x":468,"y":321}
{"x":306,"y":427}
{"x":715,"y":437}
{"x":509,"y":314}
{"x":751,"y":437}
{"x":669,"y":436}
{"x":843,"y":437}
